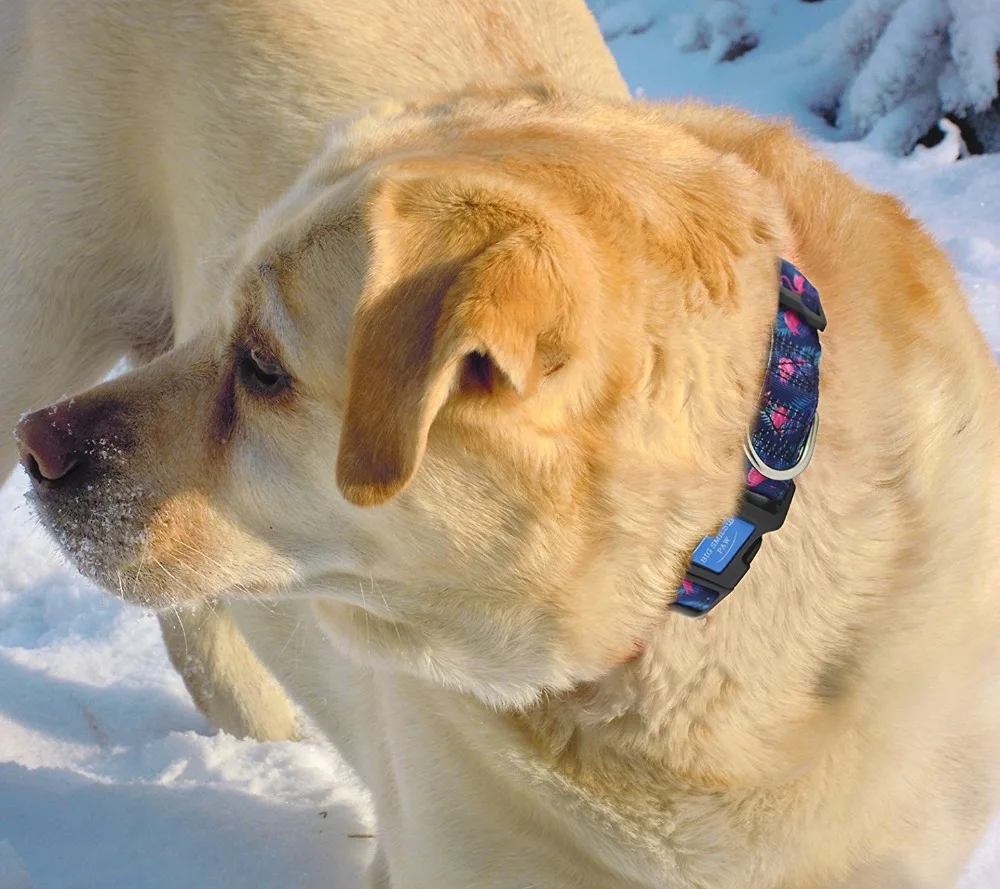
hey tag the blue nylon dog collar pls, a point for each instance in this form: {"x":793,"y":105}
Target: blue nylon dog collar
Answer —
{"x":778,"y":449}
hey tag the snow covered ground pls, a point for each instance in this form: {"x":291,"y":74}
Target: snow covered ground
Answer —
{"x":110,"y":779}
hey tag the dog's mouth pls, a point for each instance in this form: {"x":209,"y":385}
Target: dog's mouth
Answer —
{"x":156,"y":550}
{"x":99,"y":518}
{"x":99,"y":526}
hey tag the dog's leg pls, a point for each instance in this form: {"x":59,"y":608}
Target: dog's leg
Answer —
{"x":225,"y":679}
{"x":81,"y":275}
{"x":57,"y":336}
{"x":63,"y":323}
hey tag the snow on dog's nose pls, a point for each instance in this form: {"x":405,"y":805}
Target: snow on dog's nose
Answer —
{"x":49,"y":449}
{"x":64,"y":443}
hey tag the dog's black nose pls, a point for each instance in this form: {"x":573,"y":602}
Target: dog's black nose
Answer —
{"x":47,"y":445}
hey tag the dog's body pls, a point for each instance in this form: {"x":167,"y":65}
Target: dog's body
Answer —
{"x":481,"y":387}
{"x":766,"y":746}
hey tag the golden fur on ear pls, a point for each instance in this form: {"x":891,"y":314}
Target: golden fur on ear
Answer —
{"x":462,"y":285}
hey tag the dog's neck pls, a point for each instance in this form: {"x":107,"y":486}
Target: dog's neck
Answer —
{"x":693,"y":709}
{"x":692,"y":697}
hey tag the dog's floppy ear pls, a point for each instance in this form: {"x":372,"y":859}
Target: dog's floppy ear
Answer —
{"x":464,"y":280}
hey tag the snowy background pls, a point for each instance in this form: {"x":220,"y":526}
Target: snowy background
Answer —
{"x":110,"y":779}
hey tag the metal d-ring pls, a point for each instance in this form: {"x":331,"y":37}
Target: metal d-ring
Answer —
{"x":784,"y":475}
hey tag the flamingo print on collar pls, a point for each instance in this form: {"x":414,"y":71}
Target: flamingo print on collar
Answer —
{"x":778,"y":449}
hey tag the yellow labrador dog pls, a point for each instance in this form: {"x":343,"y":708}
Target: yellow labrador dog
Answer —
{"x":139,"y":140}
{"x":493,"y":415}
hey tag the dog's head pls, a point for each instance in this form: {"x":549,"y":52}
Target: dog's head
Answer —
{"x":481,"y":387}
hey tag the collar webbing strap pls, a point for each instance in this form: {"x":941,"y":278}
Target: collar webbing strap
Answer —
{"x":778,"y":449}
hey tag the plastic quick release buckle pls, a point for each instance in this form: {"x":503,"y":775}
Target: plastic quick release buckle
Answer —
{"x":719,"y":563}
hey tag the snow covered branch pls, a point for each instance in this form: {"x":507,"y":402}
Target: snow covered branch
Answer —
{"x":901,"y":65}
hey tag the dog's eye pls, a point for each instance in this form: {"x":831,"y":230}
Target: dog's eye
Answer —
{"x":261,"y":375}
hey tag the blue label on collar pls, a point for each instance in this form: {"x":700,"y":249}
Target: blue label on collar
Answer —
{"x":715,"y":553}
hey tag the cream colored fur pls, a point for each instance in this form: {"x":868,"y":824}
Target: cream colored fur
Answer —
{"x":478,"y":385}
{"x":139,"y":140}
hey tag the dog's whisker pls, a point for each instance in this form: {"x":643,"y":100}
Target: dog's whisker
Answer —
{"x":138,"y":570}
{"x":235,"y":588}
{"x":364,"y":610}
{"x":388,"y":611}
{"x":291,"y":636}
{"x":180,"y":622}
{"x":176,"y":581}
